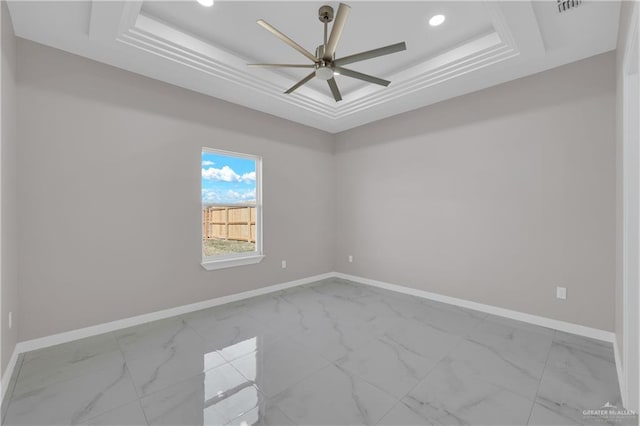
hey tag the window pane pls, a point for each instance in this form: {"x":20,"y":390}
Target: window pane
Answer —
{"x":228,"y":204}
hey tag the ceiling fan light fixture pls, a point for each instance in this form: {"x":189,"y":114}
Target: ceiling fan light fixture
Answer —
{"x":324,"y":73}
{"x":436,"y":20}
{"x":206,"y":3}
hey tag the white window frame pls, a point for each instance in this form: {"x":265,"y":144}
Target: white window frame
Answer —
{"x":211,"y":263}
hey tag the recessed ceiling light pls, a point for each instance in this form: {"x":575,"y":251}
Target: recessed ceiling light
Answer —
{"x":206,"y":3}
{"x":434,"y":21}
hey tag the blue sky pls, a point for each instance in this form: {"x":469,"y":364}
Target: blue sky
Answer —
{"x":228,"y":180}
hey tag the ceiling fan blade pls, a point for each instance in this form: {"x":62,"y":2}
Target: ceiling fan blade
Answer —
{"x":370,"y":54}
{"x":336,"y":31}
{"x":334,"y":89}
{"x":361,"y":76}
{"x":301,"y":83}
{"x":273,"y":30}
{"x":280,"y":66}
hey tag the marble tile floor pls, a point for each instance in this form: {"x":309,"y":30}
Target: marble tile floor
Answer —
{"x":328,"y":353}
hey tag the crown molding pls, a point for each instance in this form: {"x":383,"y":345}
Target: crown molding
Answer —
{"x":124,"y":35}
{"x":137,"y":30}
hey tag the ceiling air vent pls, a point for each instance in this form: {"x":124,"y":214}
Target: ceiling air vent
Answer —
{"x":564,"y":5}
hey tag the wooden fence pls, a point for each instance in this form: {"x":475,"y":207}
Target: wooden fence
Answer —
{"x":229,"y":223}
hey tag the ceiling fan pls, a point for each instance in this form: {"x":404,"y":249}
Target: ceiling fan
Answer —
{"x":325,"y":64}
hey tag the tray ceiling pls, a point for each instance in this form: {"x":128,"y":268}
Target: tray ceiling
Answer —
{"x":481,"y":44}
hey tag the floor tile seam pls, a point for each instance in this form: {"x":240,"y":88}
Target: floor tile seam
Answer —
{"x":587,"y":352}
{"x":178,"y":353}
{"x":358,"y":376}
{"x":118,"y":406}
{"x":474,"y":327}
{"x":75,"y":343}
{"x":72,"y":344}
{"x":344,"y":371}
{"x":384,"y":339}
{"x":491,"y":383}
{"x":583,"y":375}
{"x":527,"y":327}
{"x":137,"y":400}
{"x":306,"y":376}
{"x":283,"y":413}
{"x":515,"y":364}
{"x":75,"y":377}
{"x":90,"y":370}
{"x":417,"y":413}
{"x":248,"y":411}
{"x":432,"y":369}
{"x":544,"y":369}
{"x":311,"y":348}
{"x":495,"y":383}
{"x":388,"y":411}
{"x":274,"y":398}
{"x":133,"y":382}
{"x":144,"y":413}
{"x":178,"y":382}
{"x":257,"y":407}
{"x":205,"y":342}
{"x":203,"y":372}
{"x":275,"y":330}
{"x":578,"y":410}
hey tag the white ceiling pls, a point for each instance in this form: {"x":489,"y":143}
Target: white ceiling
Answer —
{"x":482,"y":43}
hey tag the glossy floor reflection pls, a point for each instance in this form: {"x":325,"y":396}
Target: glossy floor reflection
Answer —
{"x":328,"y":353}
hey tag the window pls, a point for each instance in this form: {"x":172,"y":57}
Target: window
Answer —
{"x":231,"y":209}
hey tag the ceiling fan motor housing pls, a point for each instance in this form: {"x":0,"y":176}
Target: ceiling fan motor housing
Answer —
{"x":325,"y":14}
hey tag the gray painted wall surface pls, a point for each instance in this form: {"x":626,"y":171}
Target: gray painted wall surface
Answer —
{"x":9,"y":215}
{"x":496,"y":197}
{"x":109,"y":172}
{"x":633,"y":403}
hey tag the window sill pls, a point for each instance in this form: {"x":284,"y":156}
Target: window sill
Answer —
{"x":211,"y":265}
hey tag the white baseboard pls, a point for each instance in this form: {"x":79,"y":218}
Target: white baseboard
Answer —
{"x":568,"y":327}
{"x":8,"y":373}
{"x":620,"y":371}
{"x":67,"y":336}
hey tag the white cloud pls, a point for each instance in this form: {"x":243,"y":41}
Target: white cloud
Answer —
{"x":220,"y":196}
{"x":210,"y":196}
{"x":227,"y":174}
{"x":207,"y":163}
{"x":249,"y":195}
{"x":248,"y":177}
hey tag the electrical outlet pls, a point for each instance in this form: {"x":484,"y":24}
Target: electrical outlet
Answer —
{"x":10,"y":319}
{"x":350,"y":259}
{"x":284,"y":264}
{"x":561,"y":293}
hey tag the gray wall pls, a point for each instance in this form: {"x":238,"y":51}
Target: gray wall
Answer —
{"x":495,"y":197}
{"x":8,"y":225}
{"x":109,"y":172}
{"x":630,"y":366}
